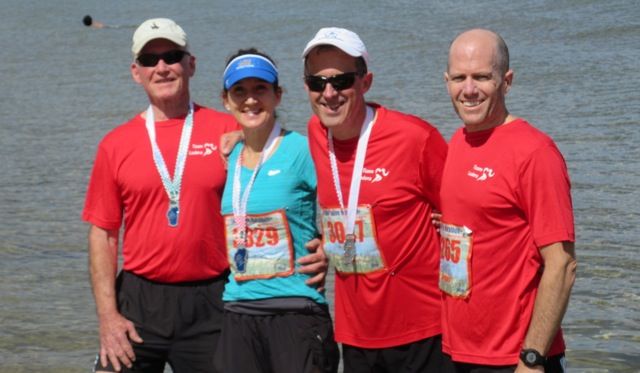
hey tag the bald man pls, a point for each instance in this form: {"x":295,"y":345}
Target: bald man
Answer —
{"x":507,"y":257}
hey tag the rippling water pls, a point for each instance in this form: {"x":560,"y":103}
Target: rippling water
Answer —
{"x":64,"y":86}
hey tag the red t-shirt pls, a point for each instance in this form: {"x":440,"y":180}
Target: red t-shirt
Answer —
{"x":510,"y":187}
{"x":125,"y":185}
{"x":401,"y":181}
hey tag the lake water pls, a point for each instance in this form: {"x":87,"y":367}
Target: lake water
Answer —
{"x":64,"y":86}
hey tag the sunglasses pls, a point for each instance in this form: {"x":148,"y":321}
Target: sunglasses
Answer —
{"x":170,"y":57}
{"x":338,"y":82}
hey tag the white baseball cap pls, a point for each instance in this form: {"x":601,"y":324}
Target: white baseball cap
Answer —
{"x":158,"y":28}
{"x":347,"y":41}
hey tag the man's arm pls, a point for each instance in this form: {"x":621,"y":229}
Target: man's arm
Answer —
{"x":228,"y":141}
{"x":115,"y":330}
{"x":551,"y":303}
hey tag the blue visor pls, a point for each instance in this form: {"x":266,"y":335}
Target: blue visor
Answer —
{"x":249,"y":66}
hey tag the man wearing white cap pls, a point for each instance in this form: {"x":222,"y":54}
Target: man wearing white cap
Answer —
{"x":379,"y":175}
{"x":161,"y":175}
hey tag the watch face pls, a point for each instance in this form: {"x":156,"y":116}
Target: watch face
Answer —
{"x":530,"y":357}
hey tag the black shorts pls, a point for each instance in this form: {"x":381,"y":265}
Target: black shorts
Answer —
{"x":179,"y":323}
{"x":289,"y":342}
{"x":424,"y":356}
{"x":554,"y":364}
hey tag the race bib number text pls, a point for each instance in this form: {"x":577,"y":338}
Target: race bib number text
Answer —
{"x":367,"y":253}
{"x":268,"y":244}
{"x":455,"y":260}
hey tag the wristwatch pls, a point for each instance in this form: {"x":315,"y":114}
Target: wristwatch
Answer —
{"x":531,"y":357}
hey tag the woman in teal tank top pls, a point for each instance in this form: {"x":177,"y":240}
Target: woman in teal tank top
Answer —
{"x":274,"y":321}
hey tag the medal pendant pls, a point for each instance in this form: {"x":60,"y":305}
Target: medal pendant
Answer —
{"x":172,"y":215}
{"x":241,"y":257}
{"x":349,"y":249}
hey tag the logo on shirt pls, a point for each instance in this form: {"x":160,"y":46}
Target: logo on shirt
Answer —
{"x":273,"y":172}
{"x":203,"y":150}
{"x":480,"y":173}
{"x":374,"y":176}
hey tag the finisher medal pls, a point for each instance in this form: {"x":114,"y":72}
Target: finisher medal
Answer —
{"x":172,"y":214}
{"x":241,"y":257}
{"x":239,"y":202}
{"x":354,"y":188}
{"x":349,"y":249}
{"x":171,"y":186}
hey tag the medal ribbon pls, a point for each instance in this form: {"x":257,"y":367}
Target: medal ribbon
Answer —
{"x":356,"y":177}
{"x":171,"y":186}
{"x":240,"y":205}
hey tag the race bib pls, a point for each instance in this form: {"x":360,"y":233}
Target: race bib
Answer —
{"x":455,"y":260}
{"x":367,"y":252}
{"x":269,"y":246}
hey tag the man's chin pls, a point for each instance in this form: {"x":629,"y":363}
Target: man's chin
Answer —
{"x":330,"y":122}
{"x":328,"y":119}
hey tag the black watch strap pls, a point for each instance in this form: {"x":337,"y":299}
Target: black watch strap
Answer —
{"x":532,"y":358}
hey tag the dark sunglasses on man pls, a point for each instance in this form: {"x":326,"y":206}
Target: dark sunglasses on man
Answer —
{"x":339,"y":82}
{"x":170,"y":57}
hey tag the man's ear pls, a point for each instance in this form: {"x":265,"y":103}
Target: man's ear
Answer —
{"x":507,"y":81}
{"x":367,"y":82}
{"x":192,"y":65}
{"x":446,"y":82}
{"x":135,"y":72}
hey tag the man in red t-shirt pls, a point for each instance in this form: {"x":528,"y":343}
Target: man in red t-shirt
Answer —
{"x":379,"y":175}
{"x":507,"y":256}
{"x":161,"y":177}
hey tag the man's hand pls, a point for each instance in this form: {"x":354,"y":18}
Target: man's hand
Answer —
{"x":116,"y":332}
{"x":315,"y":263}
{"x":227,"y":142}
{"x":552,"y":299}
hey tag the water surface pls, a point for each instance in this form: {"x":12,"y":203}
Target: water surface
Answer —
{"x":64,"y":86}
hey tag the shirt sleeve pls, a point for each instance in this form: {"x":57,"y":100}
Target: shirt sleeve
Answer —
{"x":545,"y":193}
{"x":434,"y":154}
{"x":103,"y":205}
